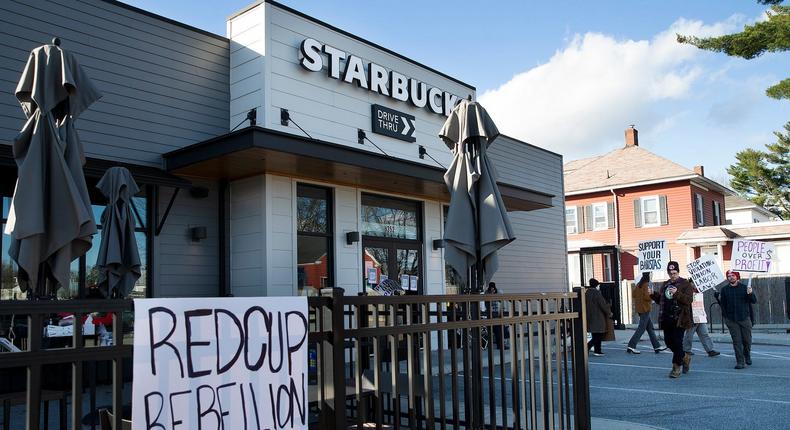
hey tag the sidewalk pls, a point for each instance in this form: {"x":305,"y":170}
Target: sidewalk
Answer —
{"x":759,"y":337}
{"x":607,"y":424}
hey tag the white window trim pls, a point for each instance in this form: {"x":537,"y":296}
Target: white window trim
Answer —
{"x":642,"y":201}
{"x":699,"y":210}
{"x":605,"y":216}
{"x":575,"y":220}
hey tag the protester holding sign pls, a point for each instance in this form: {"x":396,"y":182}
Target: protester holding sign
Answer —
{"x":735,"y":299}
{"x":700,"y":327}
{"x":643,"y":302}
{"x":674,"y":300}
{"x":598,"y":311}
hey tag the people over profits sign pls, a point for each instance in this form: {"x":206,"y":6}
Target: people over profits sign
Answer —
{"x":752,"y":256}
{"x":705,"y":272}
{"x":220,"y":363}
{"x":653,"y":256}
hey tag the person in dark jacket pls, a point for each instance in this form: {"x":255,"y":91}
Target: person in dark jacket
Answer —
{"x":642,"y":302}
{"x":674,"y":300}
{"x":598,"y":311}
{"x":736,"y":300}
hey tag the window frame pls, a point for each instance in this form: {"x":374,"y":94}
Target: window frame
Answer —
{"x":699,"y":209}
{"x":643,"y":202}
{"x":716,"y":213}
{"x":605,"y":207}
{"x":329,"y":234}
{"x":608,"y":276}
{"x":575,"y":218}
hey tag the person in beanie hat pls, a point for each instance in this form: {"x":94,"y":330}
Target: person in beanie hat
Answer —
{"x":674,"y":299}
{"x":598,"y":311}
{"x":642,"y":301}
{"x":735,"y":300}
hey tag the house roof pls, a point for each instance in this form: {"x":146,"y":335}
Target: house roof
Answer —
{"x":625,"y":167}
{"x":775,"y":230}
{"x":737,"y":202}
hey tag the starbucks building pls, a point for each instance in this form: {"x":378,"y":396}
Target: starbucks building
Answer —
{"x":286,"y":157}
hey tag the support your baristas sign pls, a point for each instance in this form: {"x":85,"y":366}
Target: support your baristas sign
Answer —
{"x":220,"y":363}
{"x":653,"y":256}
{"x":705,"y":272}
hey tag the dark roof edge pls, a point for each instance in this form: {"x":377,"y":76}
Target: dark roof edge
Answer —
{"x":165,"y":19}
{"x":533,"y":146}
{"x":353,"y":36}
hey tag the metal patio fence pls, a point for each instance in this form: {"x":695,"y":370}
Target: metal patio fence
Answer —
{"x":507,"y":361}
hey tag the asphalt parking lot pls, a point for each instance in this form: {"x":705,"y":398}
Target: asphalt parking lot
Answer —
{"x":636,"y":389}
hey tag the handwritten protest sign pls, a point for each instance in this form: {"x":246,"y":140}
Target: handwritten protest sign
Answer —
{"x":220,"y":363}
{"x":698,"y":309}
{"x":653,"y":256}
{"x":705,"y":272}
{"x":752,"y":256}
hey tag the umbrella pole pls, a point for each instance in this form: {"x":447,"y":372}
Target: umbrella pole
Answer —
{"x":477,"y":362}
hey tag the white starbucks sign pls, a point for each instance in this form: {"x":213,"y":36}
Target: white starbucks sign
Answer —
{"x":351,"y":69}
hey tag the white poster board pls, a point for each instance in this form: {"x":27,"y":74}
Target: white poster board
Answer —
{"x":698,"y":309}
{"x":705,"y":272}
{"x":752,"y":256}
{"x":220,"y":363}
{"x":653,"y":256}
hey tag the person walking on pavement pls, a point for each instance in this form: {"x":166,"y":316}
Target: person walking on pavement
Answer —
{"x":735,"y":300}
{"x":598,"y":311}
{"x":674,"y":300}
{"x":702,"y":332}
{"x":643,"y":302}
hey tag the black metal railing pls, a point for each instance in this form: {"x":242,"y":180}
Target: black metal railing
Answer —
{"x":507,"y":361}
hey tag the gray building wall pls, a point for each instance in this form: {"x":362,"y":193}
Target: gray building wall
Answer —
{"x":164,"y":86}
{"x":537,"y":259}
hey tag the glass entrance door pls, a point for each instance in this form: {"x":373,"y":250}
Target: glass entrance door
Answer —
{"x":399,"y":263}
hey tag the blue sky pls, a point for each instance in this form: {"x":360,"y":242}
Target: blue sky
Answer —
{"x":571,"y":76}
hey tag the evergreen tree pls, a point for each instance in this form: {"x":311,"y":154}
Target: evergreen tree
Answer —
{"x":764,"y":176}
{"x":772,"y":35}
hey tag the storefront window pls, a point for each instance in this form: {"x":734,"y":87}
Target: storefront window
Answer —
{"x":313,"y":239}
{"x":452,"y":279}
{"x":388,"y":217}
{"x":83,"y":270}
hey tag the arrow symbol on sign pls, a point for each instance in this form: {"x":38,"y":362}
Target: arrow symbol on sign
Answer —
{"x":407,"y":126}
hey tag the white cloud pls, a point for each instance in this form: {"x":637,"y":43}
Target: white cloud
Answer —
{"x":593,"y":88}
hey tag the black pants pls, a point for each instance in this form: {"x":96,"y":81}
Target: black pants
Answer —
{"x":595,"y":343}
{"x":673,"y":337}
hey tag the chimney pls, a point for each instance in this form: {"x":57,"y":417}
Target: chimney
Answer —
{"x":631,"y":137}
{"x":700,"y":170}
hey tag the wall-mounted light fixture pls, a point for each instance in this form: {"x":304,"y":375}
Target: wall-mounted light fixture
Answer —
{"x":422,"y":152}
{"x":284,"y":117}
{"x":352,"y":237}
{"x":438,"y":244}
{"x":198,"y":233}
{"x":360,"y":136}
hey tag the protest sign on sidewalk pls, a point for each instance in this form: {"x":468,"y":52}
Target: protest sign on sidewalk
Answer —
{"x":705,"y":272}
{"x":752,"y":256}
{"x":230,"y":363}
{"x":653,"y":255}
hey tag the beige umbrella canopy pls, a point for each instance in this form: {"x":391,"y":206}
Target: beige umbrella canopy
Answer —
{"x":477,"y":221}
{"x":50,"y":220}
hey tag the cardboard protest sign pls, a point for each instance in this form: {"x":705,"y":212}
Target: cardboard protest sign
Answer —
{"x":705,"y":272}
{"x":220,"y":363}
{"x":653,"y":255}
{"x":752,"y":256}
{"x":698,"y":309}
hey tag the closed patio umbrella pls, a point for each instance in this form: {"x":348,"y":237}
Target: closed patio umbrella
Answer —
{"x":477,"y":221}
{"x":119,"y":259}
{"x":50,"y":220}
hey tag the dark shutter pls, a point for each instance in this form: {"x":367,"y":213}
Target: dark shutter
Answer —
{"x":580,"y":219}
{"x":662,"y":213}
{"x":588,"y":217}
{"x":610,"y":214}
{"x":637,"y":213}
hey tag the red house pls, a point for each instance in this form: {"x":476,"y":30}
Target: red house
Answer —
{"x":615,"y":200}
